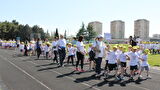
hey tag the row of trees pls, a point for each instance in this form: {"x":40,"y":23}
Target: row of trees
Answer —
{"x":11,"y":30}
{"x":87,"y":32}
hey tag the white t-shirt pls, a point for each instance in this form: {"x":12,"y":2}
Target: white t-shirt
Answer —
{"x":133,"y":59}
{"x":89,"y":49}
{"x":47,"y":49}
{"x":101,"y":46}
{"x":70,"y":51}
{"x":80,"y":47}
{"x":122,"y":57}
{"x":75,"y":50}
{"x":61,"y":43}
{"x":112,"y":57}
{"x":107,"y":52}
{"x":118,"y":52}
{"x":54,"y":43}
{"x":21,"y":47}
{"x":145,"y":62}
{"x":138,"y":54}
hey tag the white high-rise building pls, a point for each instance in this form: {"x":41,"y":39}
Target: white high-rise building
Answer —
{"x":97,"y":27}
{"x":141,"y":29}
{"x":117,"y":29}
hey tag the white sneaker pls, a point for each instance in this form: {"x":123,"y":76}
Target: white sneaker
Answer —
{"x":117,"y":78}
{"x":140,"y":77}
{"x":106,"y":75}
{"x":149,"y":77}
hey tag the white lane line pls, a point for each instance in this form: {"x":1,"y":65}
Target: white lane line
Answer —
{"x":68,"y":77}
{"x":27,"y":73}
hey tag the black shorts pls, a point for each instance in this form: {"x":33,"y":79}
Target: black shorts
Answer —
{"x":134,"y":67}
{"x":112,"y":67}
{"x":123,"y":64}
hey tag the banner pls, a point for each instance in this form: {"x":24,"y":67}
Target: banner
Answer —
{"x":107,"y":36}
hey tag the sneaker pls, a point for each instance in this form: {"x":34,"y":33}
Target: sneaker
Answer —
{"x":140,"y":77}
{"x":148,"y":77}
{"x":76,"y":69}
{"x":106,"y":75}
{"x":117,"y":78}
{"x":81,"y":70}
{"x":97,"y":75}
{"x":122,"y":78}
{"x":131,"y":79}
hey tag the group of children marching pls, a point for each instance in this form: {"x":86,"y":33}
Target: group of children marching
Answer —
{"x":121,"y":57}
{"x":117,"y":57}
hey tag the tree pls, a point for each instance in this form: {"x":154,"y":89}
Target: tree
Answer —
{"x":65,"y":34}
{"x":11,"y":30}
{"x":82,"y":31}
{"x":56,"y":33}
{"x":90,"y":33}
{"x":47,"y":35}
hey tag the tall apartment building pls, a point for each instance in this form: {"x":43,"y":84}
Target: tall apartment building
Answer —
{"x":117,"y":29}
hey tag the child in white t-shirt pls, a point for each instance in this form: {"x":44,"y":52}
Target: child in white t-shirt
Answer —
{"x":91,"y":58}
{"x":122,"y":60}
{"x":144,"y":64}
{"x":112,"y":62}
{"x":133,"y":62}
{"x":70,"y":53}
{"x":47,"y":50}
{"x":21,"y":47}
{"x":43,"y":49}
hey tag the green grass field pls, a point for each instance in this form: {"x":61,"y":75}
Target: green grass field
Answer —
{"x":154,"y":60}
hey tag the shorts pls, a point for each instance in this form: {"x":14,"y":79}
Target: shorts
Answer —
{"x":123,"y":64}
{"x":134,"y":67}
{"x":112,"y":67}
{"x":145,"y":67}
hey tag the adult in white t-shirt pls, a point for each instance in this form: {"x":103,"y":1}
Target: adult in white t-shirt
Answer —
{"x":61,"y":49}
{"x":99,"y":47}
{"x":80,"y":53}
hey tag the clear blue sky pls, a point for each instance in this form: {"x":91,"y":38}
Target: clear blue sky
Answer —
{"x":69,"y":14}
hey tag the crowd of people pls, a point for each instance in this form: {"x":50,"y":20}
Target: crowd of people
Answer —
{"x":118,"y":58}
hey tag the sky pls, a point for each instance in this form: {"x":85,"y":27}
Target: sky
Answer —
{"x":69,"y":14}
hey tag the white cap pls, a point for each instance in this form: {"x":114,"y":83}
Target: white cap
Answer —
{"x":99,"y":36}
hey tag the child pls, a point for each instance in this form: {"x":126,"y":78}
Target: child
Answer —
{"x":55,"y":50}
{"x":21,"y":47}
{"x":144,"y":65}
{"x":43,"y":49}
{"x":112,"y":62}
{"x":122,"y":60}
{"x":133,"y":62}
{"x":106,"y":58}
{"x":47,"y":49}
{"x":70,"y":53}
{"x":91,"y":57}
